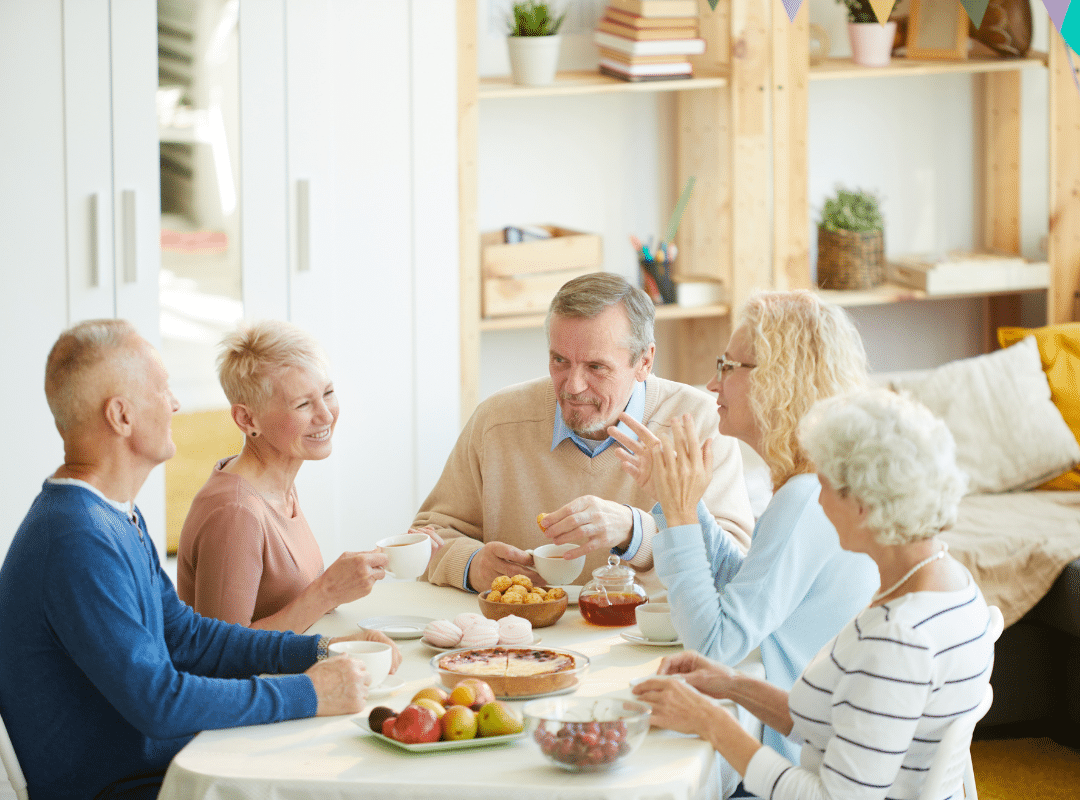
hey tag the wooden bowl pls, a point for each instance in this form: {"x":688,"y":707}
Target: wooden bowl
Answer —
{"x":541,"y":615}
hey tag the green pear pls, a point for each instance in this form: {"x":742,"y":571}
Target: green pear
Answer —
{"x":459,"y":722}
{"x":498,"y":719}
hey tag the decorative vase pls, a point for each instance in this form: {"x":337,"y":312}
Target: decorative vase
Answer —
{"x":871,"y":42}
{"x":533,"y":59}
{"x":850,"y":259}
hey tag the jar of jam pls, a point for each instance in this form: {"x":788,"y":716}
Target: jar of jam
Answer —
{"x":612,"y":595}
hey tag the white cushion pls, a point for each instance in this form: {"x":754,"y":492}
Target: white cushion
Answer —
{"x":1009,"y":435}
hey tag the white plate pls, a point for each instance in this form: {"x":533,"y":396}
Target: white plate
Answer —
{"x":400,"y":626}
{"x":635,"y":637}
{"x":437,"y":648}
{"x":572,"y":593}
{"x":430,"y":747}
{"x":392,"y":684}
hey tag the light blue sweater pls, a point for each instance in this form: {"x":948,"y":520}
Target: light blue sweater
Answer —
{"x":104,"y":672}
{"x":790,"y":594}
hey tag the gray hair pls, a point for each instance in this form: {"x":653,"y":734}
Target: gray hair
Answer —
{"x":255,"y":353}
{"x":75,"y":363}
{"x":590,"y":295}
{"x":893,"y":456}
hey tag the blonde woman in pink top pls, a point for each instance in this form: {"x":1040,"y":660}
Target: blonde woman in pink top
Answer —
{"x":247,"y":554}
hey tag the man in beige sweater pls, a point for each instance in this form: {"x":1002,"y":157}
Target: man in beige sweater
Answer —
{"x":543,"y":447}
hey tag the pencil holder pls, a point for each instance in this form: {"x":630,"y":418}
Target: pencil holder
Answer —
{"x":657,"y":279}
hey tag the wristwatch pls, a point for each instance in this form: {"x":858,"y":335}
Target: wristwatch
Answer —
{"x":322,"y":650}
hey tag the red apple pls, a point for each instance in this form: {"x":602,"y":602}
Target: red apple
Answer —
{"x":417,"y":724}
{"x":388,"y":727}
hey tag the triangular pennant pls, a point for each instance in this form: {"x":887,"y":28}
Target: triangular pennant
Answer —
{"x":1070,"y":28}
{"x":883,"y":8}
{"x":712,"y":4}
{"x":1057,"y":10}
{"x":976,"y":10}
{"x":792,"y":8}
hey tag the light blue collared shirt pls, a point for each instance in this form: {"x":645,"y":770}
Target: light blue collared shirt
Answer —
{"x":635,"y":407}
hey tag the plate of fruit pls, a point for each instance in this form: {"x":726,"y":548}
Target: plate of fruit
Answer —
{"x":434,"y":719}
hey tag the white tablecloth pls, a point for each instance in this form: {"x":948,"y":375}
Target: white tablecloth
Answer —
{"x":331,"y":757}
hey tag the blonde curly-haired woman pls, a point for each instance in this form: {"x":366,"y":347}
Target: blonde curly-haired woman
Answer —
{"x":795,"y":588}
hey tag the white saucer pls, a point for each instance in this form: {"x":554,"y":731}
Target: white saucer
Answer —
{"x":572,"y":593}
{"x":400,"y":626}
{"x":635,"y":637}
{"x":391,"y":685}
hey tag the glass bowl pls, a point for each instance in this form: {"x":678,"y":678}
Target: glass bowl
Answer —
{"x":587,"y":734}
{"x":513,"y":672}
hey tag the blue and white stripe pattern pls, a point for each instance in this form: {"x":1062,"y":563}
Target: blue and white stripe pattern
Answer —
{"x":873,"y":704}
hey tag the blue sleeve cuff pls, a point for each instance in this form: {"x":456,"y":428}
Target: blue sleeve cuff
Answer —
{"x":465,"y":579}
{"x":635,"y":538}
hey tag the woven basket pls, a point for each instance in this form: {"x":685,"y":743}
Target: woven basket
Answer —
{"x":850,"y":259}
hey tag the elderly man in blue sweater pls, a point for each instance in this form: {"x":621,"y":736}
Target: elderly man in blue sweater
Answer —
{"x":104,"y":673}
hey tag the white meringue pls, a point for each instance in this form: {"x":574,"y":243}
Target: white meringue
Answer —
{"x":468,"y":619}
{"x":480,"y":634}
{"x":442,"y":633}
{"x":515,"y":630}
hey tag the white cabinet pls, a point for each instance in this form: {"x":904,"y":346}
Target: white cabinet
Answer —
{"x":78,"y":207}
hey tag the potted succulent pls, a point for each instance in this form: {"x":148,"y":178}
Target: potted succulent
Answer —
{"x":871,"y":42}
{"x":533,"y":42}
{"x":851,"y":241}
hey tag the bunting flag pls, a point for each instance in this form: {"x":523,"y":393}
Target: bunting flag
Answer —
{"x":1066,"y":18}
{"x":883,"y":8}
{"x":976,"y":10}
{"x":790,"y":6}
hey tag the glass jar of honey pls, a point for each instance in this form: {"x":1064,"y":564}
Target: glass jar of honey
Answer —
{"x":612,"y":595}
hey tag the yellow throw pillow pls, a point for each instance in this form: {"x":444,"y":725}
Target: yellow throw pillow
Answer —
{"x":1059,"y":350}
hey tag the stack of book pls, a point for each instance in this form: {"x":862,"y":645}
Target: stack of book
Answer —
{"x":648,"y":40}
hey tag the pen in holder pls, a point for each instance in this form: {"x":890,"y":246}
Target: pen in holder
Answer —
{"x":656,"y":274}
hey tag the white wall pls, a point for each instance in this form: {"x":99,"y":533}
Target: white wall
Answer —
{"x":603,"y":164}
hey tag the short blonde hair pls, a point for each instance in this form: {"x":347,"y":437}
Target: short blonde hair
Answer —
{"x":73,"y":370}
{"x":893,"y":456}
{"x":255,"y":353}
{"x":804,"y":350}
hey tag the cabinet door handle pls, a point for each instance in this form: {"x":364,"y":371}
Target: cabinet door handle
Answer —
{"x":127,"y":216}
{"x":93,"y":222}
{"x":303,"y":225}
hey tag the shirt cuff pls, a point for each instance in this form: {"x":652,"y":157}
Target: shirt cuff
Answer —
{"x":635,"y":538}
{"x":465,"y":579}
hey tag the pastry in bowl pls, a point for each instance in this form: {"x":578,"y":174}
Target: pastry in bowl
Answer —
{"x":513,"y":671}
{"x":540,"y":605}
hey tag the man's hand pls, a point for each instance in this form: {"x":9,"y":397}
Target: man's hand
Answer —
{"x":498,"y":558}
{"x":365,"y":635}
{"x":341,"y":685}
{"x":636,"y":454}
{"x":591,"y":523}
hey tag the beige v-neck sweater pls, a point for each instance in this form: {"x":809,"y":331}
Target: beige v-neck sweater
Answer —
{"x":502,"y":473}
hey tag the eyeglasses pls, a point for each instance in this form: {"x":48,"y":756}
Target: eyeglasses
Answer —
{"x":725,"y":365}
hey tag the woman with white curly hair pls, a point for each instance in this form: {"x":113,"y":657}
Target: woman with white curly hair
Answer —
{"x":873,"y":704}
{"x":795,"y":587}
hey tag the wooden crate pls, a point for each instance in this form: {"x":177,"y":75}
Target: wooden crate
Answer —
{"x":522,"y":278}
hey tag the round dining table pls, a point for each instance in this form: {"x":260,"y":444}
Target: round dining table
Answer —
{"x":326,"y":758}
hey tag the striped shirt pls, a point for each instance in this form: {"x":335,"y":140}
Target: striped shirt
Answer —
{"x":873,"y":704}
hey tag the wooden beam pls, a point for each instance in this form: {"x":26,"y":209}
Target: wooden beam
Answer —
{"x":790,"y":112}
{"x":1064,"y":240}
{"x":469,"y":237}
{"x":1001,"y":161}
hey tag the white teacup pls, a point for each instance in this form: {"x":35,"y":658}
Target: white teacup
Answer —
{"x":553,"y":568}
{"x":408,"y":554}
{"x":654,"y":621}
{"x":377,"y":657}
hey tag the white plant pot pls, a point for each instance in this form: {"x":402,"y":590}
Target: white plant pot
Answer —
{"x":871,"y":42}
{"x":533,"y":59}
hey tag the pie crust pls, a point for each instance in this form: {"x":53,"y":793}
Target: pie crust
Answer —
{"x":511,"y":671}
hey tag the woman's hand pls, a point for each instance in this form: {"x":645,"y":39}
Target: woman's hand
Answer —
{"x":636,"y":454}
{"x":678,"y":706}
{"x":681,"y":471}
{"x":352,"y":576}
{"x":707,"y":676}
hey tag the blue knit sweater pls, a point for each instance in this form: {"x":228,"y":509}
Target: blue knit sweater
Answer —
{"x":104,"y":672}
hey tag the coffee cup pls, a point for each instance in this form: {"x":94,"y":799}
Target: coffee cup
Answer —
{"x":377,"y":657}
{"x":407,"y":554}
{"x":654,"y":622}
{"x":548,"y":561}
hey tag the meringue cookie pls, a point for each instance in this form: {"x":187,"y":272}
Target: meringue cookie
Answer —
{"x":515,"y":630}
{"x":480,"y":634}
{"x":467,"y":620}
{"x":442,"y":633}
